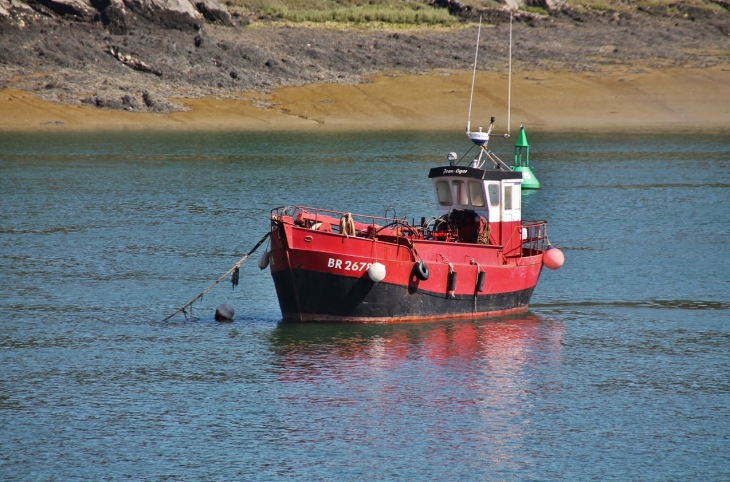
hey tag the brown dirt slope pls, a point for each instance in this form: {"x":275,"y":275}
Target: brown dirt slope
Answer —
{"x":584,"y":56}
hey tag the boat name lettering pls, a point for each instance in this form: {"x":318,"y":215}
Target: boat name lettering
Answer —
{"x":347,"y":265}
{"x":455,"y":171}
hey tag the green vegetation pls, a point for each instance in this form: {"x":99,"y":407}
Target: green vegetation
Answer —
{"x":427,"y":16}
{"x":347,"y":11}
{"x":537,"y":10}
{"x":415,"y":12}
{"x":627,"y":5}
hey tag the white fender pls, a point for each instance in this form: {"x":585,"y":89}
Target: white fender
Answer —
{"x":264,"y":259}
{"x":376,"y":271}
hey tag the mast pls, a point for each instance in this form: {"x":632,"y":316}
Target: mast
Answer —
{"x":473,"y":77}
{"x":509,"y":77}
{"x":479,"y":138}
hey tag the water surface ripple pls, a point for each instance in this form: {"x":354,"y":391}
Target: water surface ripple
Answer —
{"x":619,"y":371}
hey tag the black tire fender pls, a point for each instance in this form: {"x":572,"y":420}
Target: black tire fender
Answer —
{"x":421,"y":270}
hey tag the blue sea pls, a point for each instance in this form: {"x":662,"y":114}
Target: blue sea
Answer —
{"x":620,"y":370}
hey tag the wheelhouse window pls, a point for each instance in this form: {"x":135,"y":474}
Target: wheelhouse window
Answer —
{"x":476,"y":194}
{"x":507,"y":197}
{"x":493,"y":190}
{"x":444,"y":193}
{"x":460,"y":193}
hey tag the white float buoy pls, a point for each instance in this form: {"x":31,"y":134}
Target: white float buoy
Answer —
{"x":376,"y":271}
{"x":553,"y":258}
{"x":224,"y":312}
{"x":264,"y":259}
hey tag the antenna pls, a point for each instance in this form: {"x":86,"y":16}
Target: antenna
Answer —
{"x":509,"y":77}
{"x":473,"y":76}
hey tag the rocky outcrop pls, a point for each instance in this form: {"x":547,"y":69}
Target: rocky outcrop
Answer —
{"x":178,"y":6}
{"x":213,"y":11}
{"x":133,"y":102}
{"x":133,"y":62}
{"x":16,"y":12}
{"x":175,"y":14}
{"x":548,"y":5}
{"x":113,"y":14}
{"x":81,"y":9}
{"x":119,"y":14}
{"x":464,"y":10}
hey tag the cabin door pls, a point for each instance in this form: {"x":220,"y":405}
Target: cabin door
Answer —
{"x":511,"y":215}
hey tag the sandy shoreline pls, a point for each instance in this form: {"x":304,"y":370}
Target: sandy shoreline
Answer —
{"x":619,"y":100}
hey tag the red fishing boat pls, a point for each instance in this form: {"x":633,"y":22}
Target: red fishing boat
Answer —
{"x":475,"y":258}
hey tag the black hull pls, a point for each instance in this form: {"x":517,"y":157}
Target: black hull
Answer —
{"x":316,"y":296}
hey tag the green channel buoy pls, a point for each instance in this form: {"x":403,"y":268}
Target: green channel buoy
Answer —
{"x":522,"y":162}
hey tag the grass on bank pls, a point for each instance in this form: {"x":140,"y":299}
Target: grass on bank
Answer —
{"x":347,"y":11}
{"x":366,"y":14}
{"x":417,"y":12}
{"x":672,"y":6}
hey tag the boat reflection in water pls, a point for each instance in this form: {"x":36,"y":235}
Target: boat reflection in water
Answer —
{"x":509,"y":341}
{"x":478,"y":385}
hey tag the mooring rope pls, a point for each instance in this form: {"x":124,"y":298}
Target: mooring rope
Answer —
{"x":234,"y":270}
{"x":484,"y":233}
{"x":347,"y":225}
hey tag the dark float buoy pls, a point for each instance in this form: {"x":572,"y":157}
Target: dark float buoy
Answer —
{"x":224,"y":312}
{"x":451,"y":283}
{"x":480,"y":281}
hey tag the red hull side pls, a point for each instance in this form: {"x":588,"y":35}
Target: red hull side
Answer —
{"x":322,"y":276}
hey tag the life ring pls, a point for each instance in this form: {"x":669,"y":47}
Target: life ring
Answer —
{"x":421,"y":270}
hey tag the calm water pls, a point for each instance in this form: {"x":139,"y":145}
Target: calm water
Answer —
{"x":621,"y":369}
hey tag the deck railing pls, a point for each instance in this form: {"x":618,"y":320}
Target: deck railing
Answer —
{"x":532,"y":234}
{"x":371,"y":224}
{"x":534,"y":237}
